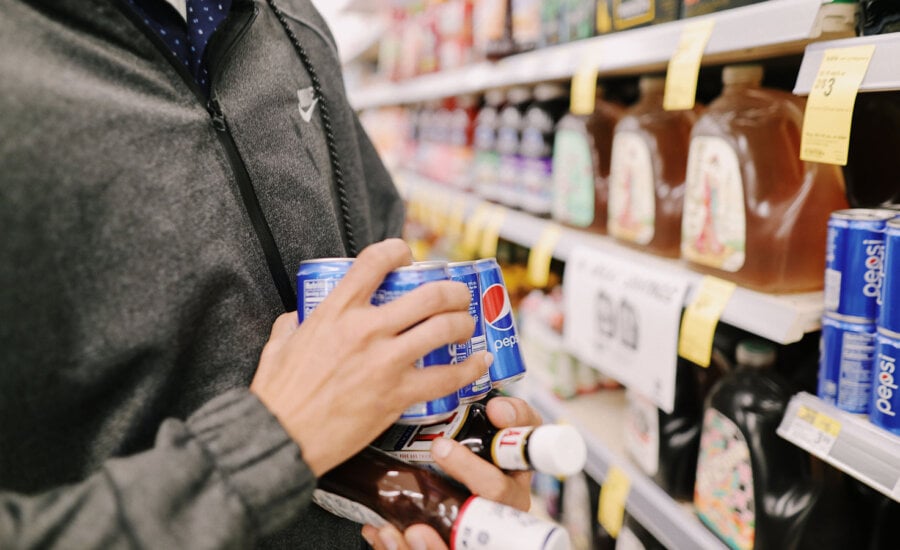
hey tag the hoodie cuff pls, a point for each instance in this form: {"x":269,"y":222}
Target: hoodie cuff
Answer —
{"x":258,"y":460}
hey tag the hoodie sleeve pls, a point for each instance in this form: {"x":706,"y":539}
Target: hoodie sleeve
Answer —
{"x":225,"y":477}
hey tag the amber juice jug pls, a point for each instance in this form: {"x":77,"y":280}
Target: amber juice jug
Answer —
{"x":754,"y":213}
{"x":646,"y":180}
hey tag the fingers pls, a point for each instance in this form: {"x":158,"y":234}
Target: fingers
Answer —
{"x":422,"y":537}
{"x":439,"y":381}
{"x":368,"y":271}
{"x":417,"y":537}
{"x":437,"y":330}
{"x":479,"y":476}
{"x":423,"y":302}
{"x":284,"y":325}
{"x":506,"y":412}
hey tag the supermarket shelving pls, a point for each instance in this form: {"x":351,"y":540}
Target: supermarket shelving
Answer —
{"x":848,"y":442}
{"x":757,"y":31}
{"x":600,"y":418}
{"x":781,"y":318}
{"x":884,"y":68}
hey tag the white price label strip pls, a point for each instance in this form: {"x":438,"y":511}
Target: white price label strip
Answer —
{"x":814,"y":431}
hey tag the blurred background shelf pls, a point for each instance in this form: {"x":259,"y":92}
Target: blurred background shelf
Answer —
{"x":784,"y":318}
{"x":884,"y":68}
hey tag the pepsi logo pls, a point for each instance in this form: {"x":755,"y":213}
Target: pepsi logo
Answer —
{"x":496,"y":308}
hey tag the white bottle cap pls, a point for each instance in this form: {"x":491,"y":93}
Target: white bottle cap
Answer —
{"x":557,"y":450}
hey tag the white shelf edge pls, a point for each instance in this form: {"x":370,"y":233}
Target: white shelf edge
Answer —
{"x":861,"y":449}
{"x":884,"y":69}
{"x":783,"y":319}
{"x":669,"y":521}
{"x":776,"y":27}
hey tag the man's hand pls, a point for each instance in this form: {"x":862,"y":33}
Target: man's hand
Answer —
{"x":479,"y":476}
{"x":348,"y":372}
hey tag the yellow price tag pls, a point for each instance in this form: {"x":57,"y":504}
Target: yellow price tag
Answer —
{"x":684,"y":65}
{"x":829,"y":108}
{"x":806,"y":414}
{"x":826,"y":424}
{"x":698,"y":324}
{"x":584,"y":90}
{"x":604,"y":20}
{"x":613,"y":495}
{"x":491,"y":234}
{"x":474,"y":226}
{"x":540,"y":255}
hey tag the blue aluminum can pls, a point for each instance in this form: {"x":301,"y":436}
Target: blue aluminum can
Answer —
{"x":889,"y":310}
{"x":885,"y":397}
{"x":396,"y":284}
{"x":464,"y":272}
{"x":846,"y":357}
{"x":853,"y":262}
{"x":316,"y":279}
{"x":499,"y":324}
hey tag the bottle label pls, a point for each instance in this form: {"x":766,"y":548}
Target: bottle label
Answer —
{"x":627,"y":540}
{"x":536,"y":185}
{"x":508,"y":448}
{"x":714,"y":230}
{"x":573,"y":179}
{"x":413,"y":443}
{"x":642,"y":433}
{"x":632,"y":195}
{"x":723,"y":494}
{"x":483,"y":525}
{"x":347,"y":509}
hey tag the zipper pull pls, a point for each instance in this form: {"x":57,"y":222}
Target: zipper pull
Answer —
{"x":215,"y":114}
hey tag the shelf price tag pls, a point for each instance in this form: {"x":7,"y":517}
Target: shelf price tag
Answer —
{"x":584,"y":90}
{"x":814,"y":431}
{"x":613,"y":495}
{"x":474,"y":226}
{"x":622,"y":318}
{"x":829,"y":108}
{"x":700,"y":319}
{"x":540,"y":255}
{"x":684,"y":65}
{"x":491,"y":234}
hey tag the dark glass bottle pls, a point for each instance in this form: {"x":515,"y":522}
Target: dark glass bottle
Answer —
{"x":373,"y":487}
{"x":553,"y":449}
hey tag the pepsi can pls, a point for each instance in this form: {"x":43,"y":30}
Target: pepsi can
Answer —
{"x":846,"y":356}
{"x":885,"y":397}
{"x":464,"y":272}
{"x":889,"y":310}
{"x":499,"y":325}
{"x":396,"y":284}
{"x":316,"y":279}
{"x":853,"y":262}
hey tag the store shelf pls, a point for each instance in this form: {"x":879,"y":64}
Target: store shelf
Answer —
{"x":781,"y":318}
{"x":757,"y":31}
{"x":846,"y":441}
{"x":883,"y":73}
{"x":600,"y":418}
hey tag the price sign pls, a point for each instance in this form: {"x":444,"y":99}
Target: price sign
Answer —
{"x":814,"y":431}
{"x":613,"y":495}
{"x":540,"y":255}
{"x":684,"y":65}
{"x":829,"y":109}
{"x":698,"y":326}
{"x":584,"y":90}
{"x":622,"y":318}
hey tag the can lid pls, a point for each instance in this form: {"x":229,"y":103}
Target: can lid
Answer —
{"x":328,"y":261}
{"x":420,"y":266}
{"x":557,"y":450}
{"x":755,"y":353}
{"x":874,"y":214}
{"x":745,"y":73}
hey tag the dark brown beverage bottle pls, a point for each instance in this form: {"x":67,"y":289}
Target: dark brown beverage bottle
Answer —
{"x":557,"y":450}
{"x":375,"y":488}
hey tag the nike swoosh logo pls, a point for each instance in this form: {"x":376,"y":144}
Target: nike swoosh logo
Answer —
{"x":307,"y":113}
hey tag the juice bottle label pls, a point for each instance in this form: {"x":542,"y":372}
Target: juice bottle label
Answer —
{"x":642,"y":433}
{"x":714,"y":231}
{"x":508,"y":448}
{"x":347,"y":509}
{"x":483,"y":524}
{"x":573,"y":179}
{"x":723,"y":494}
{"x":632,"y":199}
{"x":413,"y":443}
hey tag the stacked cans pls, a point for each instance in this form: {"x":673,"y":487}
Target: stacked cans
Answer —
{"x":490,"y":307}
{"x":885,"y":397}
{"x":854,"y":296}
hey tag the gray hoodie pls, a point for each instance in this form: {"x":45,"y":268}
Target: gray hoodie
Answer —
{"x":137,"y":282}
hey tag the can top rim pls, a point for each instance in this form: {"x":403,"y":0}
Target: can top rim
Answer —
{"x":895,"y":221}
{"x":461,"y":264}
{"x":328,"y":260}
{"x":868,"y":214}
{"x":423,"y":266}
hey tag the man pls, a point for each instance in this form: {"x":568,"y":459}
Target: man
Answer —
{"x":158,"y":188}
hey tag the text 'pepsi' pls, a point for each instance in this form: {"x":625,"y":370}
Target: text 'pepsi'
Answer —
{"x":499,"y":324}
